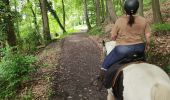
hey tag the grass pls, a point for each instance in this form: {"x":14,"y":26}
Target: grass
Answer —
{"x":161,"y":27}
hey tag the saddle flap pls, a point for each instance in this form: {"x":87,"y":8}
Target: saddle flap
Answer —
{"x":111,"y":75}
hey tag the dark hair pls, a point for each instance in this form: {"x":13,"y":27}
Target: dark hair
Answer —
{"x":131,"y":20}
{"x":131,"y":7}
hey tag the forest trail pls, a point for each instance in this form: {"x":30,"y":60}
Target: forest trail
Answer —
{"x":79,"y":63}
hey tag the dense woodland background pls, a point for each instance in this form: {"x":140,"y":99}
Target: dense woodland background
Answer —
{"x":26,"y":26}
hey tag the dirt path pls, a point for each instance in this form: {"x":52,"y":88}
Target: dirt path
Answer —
{"x":78,"y":66}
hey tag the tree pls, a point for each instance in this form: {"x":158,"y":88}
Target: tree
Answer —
{"x":102,"y":10}
{"x":86,"y":14}
{"x":156,"y":12}
{"x":111,"y":15}
{"x":53,"y":12}
{"x":46,"y":29}
{"x":64,"y":13}
{"x":38,"y":36}
{"x":97,"y":5}
{"x":122,"y":5}
{"x":9,"y":25}
{"x":17,"y":21}
{"x":141,"y":7}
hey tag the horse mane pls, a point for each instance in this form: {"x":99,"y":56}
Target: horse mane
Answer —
{"x":160,"y":92}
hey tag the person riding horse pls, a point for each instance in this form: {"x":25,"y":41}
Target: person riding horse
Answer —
{"x":131,"y":32}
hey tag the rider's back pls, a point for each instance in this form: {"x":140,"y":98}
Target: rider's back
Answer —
{"x":131,"y":34}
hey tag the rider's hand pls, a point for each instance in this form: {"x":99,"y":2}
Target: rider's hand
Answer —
{"x":147,"y":48}
{"x":114,"y":37}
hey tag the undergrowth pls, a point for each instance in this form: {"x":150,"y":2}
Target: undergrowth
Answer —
{"x":96,"y":30}
{"x":161,"y":27}
{"x":15,"y":69}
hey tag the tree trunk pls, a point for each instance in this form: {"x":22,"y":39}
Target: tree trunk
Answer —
{"x":122,"y":6}
{"x":46,"y":29}
{"x":38,"y":36}
{"x":53,"y":12}
{"x":64,"y":13}
{"x":141,"y":7}
{"x":111,"y":12}
{"x":9,"y":27}
{"x":156,"y":11}
{"x":103,"y":10}
{"x":107,"y":11}
{"x":17,"y":22}
{"x":86,"y":15}
{"x":97,"y":5}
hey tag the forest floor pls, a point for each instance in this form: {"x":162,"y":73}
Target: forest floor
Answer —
{"x":79,"y":64}
{"x":68,"y":68}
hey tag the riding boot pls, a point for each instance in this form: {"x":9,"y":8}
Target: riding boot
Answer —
{"x":100,"y":79}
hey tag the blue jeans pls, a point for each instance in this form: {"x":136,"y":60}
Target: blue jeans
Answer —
{"x":120,"y":52}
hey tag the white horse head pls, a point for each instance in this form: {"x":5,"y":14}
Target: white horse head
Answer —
{"x":142,"y":81}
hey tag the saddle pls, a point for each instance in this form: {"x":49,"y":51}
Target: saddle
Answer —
{"x":115,"y":70}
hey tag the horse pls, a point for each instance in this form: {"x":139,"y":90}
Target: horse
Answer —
{"x":138,"y":81}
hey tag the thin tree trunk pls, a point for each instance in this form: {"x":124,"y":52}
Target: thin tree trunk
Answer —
{"x":9,"y":27}
{"x":17,"y":22}
{"x":103,"y":10}
{"x":38,"y":36}
{"x":86,"y":15}
{"x":156,"y":11}
{"x":107,"y":11}
{"x":141,"y":7}
{"x":111,"y":11}
{"x":122,"y":6}
{"x":46,"y":29}
{"x":53,"y":12}
{"x":64,"y":13}
{"x":97,"y":5}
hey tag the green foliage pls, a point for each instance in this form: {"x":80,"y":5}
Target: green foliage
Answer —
{"x":30,"y":41}
{"x":118,"y":7}
{"x":28,"y":95}
{"x":161,"y":27}
{"x":2,"y":34}
{"x":162,"y":1}
{"x":15,"y":69}
{"x":167,"y":69}
{"x":147,"y":4}
{"x":96,"y":30}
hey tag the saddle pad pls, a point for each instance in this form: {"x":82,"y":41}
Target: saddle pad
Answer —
{"x":139,"y":79}
{"x":110,"y":46}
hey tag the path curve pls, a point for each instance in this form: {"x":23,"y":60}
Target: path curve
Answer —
{"x":79,"y":62}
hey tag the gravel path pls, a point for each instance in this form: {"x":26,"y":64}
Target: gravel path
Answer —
{"x":78,"y":66}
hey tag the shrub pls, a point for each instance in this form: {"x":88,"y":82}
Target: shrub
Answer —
{"x":167,"y":69}
{"x":15,"y":69}
{"x":97,"y":30}
{"x":161,"y":27}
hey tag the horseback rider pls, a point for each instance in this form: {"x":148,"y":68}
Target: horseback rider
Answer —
{"x":131,"y":32}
